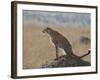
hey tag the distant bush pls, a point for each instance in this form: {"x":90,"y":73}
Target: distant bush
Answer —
{"x":84,"y":40}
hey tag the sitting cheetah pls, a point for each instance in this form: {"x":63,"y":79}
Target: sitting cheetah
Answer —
{"x":59,"y":41}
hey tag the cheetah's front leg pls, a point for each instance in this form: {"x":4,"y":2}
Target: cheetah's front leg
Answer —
{"x":56,"y":52}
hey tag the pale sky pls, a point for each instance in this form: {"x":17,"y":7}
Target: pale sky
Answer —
{"x":53,"y":18}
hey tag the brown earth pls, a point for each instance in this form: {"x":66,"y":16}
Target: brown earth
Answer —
{"x":38,"y":49}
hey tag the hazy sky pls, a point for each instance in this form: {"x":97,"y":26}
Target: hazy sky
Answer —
{"x":56,"y":18}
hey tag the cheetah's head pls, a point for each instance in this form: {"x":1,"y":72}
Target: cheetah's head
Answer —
{"x":47,"y":30}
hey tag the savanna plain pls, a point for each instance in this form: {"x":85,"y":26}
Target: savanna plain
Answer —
{"x":38,"y":49}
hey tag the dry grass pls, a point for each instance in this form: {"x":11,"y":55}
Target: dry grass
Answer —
{"x":38,"y":50}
